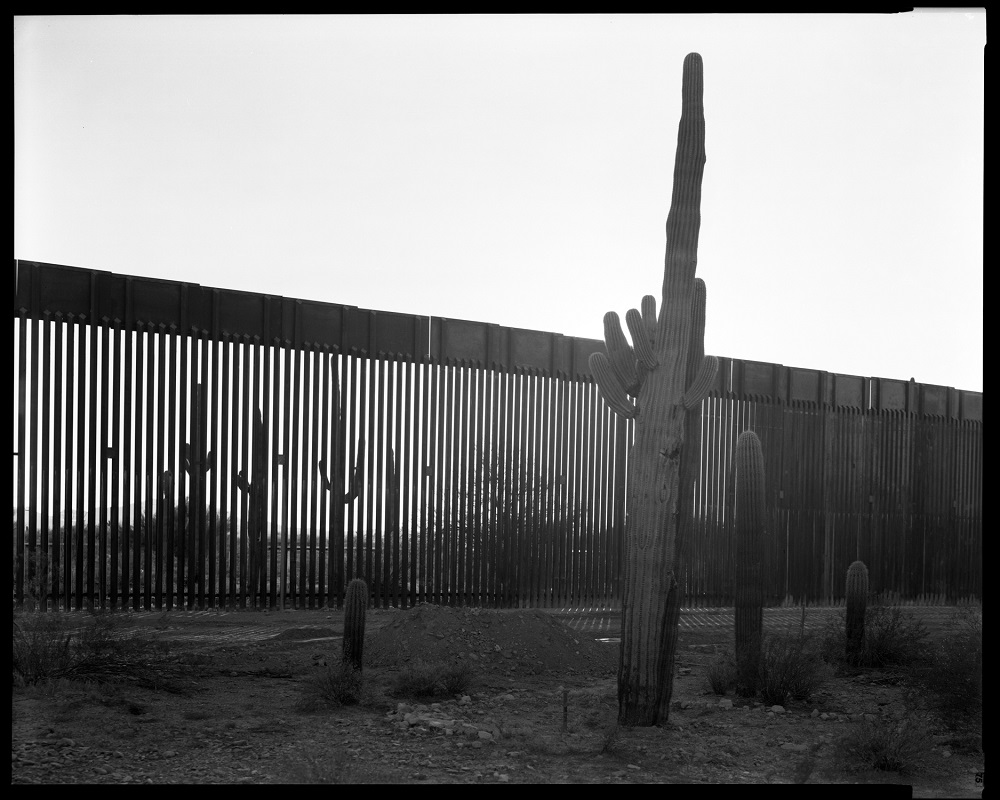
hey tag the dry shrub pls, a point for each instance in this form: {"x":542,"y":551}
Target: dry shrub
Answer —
{"x":437,"y":679}
{"x":790,"y":668}
{"x":90,"y":646}
{"x":887,"y":746}
{"x":41,"y":647}
{"x":892,"y":638}
{"x":325,"y":766}
{"x":330,"y":688}
{"x":612,"y":743}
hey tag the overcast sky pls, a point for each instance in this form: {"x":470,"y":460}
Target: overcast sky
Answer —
{"x":516,"y":169}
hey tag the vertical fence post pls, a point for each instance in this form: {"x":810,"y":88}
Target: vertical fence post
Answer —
{"x":498,"y":482}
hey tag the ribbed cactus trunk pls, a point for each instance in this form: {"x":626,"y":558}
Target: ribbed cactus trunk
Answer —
{"x":655,"y":372}
{"x":750,"y":524}
{"x":355,"y":608}
{"x":857,"y":602}
{"x":690,"y":455}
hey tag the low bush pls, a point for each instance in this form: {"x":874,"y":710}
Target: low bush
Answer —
{"x":432,"y":680}
{"x":92,"y":646}
{"x":886,"y":745}
{"x":41,"y":648}
{"x":892,"y":638}
{"x":614,"y":744}
{"x":330,"y":688}
{"x":791,"y":668}
{"x":457,"y":679}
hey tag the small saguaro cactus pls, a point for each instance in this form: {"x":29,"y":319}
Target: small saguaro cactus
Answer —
{"x":857,"y":601}
{"x":355,"y":606}
{"x":750,"y":526}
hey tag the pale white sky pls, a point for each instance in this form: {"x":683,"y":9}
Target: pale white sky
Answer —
{"x":517,"y":169}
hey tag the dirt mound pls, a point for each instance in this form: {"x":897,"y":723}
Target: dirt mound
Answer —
{"x":513,"y":642}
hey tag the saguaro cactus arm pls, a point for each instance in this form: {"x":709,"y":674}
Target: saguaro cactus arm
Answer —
{"x":642,"y":339}
{"x":353,"y":489}
{"x":620,"y":354}
{"x":330,"y":481}
{"x":611,"y":389}
{"x":703,"y":382}
{"x":244,"y":483}
{"x":196,"y":464}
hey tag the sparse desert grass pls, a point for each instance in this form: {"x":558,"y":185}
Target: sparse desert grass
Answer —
{"x":423,"y":679}
{"x":533,"y":743}
{"x":611,"y":742}
{"x":887,"y":746}
{"x":335,"y":766}
{"x":66,"y":699}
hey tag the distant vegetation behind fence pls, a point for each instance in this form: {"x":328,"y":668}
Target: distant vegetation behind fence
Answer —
{"x":185,"y":446}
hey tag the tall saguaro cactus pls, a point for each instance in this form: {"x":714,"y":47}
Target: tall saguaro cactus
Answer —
{"x":750,"y":521}
{"x":651,"y":383}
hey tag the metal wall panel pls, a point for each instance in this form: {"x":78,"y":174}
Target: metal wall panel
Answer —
{"x":191,"y":446}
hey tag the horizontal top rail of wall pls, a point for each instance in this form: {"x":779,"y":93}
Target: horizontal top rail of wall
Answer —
{"x":83,"y":295}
